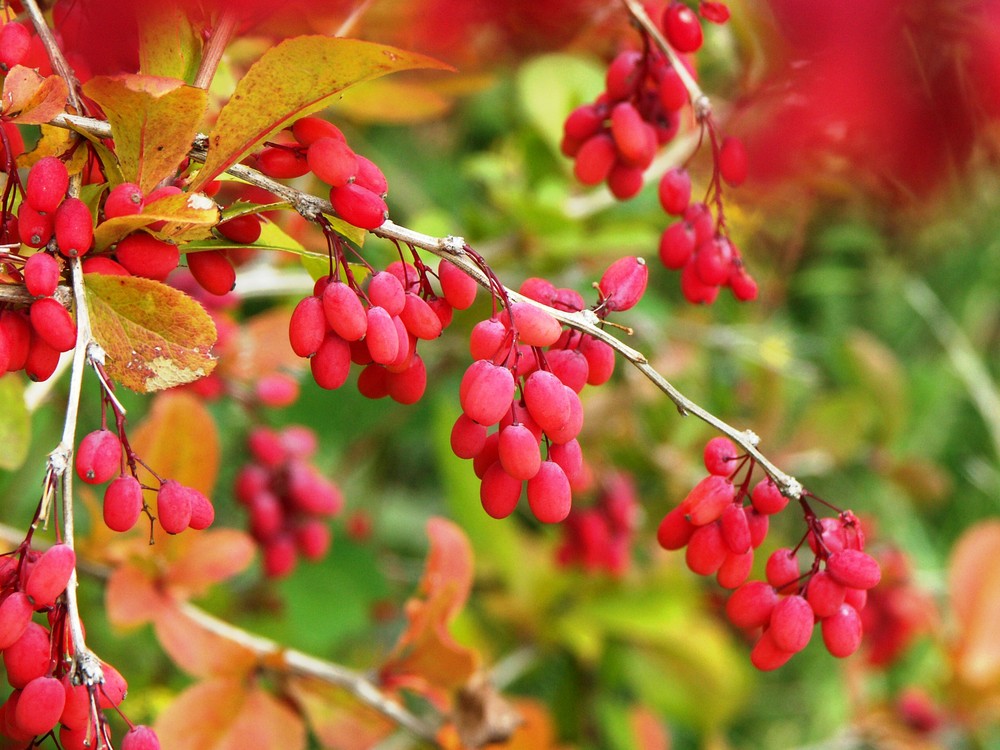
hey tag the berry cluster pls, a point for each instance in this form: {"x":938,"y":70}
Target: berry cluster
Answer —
{"x":721,"y":533}
{"x":377,"y":326}
{"x":103,"y":456}
{"x":526,"y":380}
{"x":287,"y":498}
{"x":599,"y":538}
{"x":357,"y":186}
{"x":37,"y":658}
{"x":615,"y":139}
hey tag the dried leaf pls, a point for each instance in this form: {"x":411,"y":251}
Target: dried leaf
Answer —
{"x":15,"y":423}
{"x":198,"y":651}
{"x":974,"y":584}
{"x":179,"y":440}
{"x":188,"y":216}
{"x":153,"y":122}
{"x":426,"y":654}
{"x":483,"y":716}
{"x":338,"y":720}
{"x":297,"y":77}
{"x":131,"y":598}
{"x":30,"y":99}
{"x":229,"y":714}
{"x":155,"y":336}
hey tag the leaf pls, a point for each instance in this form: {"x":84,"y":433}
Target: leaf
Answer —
{"x":974,"y":584}
{"x":225,"y":714}
{"x":131,"y":598}
{"x":153,"y":122}
{"x":260,"y":347}
{"x":167,"y":43}
{"x":337,"y":719}
{"x":426,"y":653}
{"x":209,"y":558}
{"x":198,"y":651}
{"x":297,"y":77}
{"x":30,"y":99}
{"x":188,"y":216}
{"x":179,"y":440}
{"x":156,"y":337}
{"x":15,"y":423}
{"x":379,"y":102}
{"x":109,"y":162}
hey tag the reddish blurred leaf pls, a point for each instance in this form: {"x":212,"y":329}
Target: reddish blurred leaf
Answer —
{"x":131,"y":598}
{"x":179,"y":440}
{"x":338,"y":720}
{"x":155,"y":336}
{"x":974,"y":583}
{"x":426,"y":654}
{"x":198,"y":651}
{"x":153,"y":121}
{"x":30,"y":99}
{"x":188,"y":216}
{"x":648,"y":730}
{"x":209,"y":558}
{"x":295,"y":78}
{"x":260,"y":347}
{"x":229,"y":714}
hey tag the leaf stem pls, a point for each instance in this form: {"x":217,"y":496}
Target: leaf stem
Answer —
{"x":219,"y":37}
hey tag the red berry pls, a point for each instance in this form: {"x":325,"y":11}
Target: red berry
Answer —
{"x":549,"y":494}
{"x":47,"y":184}
{"x":782,"y":569}
{"x":386,"y":291}
{"x":733,"y":161}
{"x":623,"y":75}
{"x":675,"y":191}
{"x":332,"y":363}
{"x":595,"y":159}
{"x":125,"y":199}
{"x":359,"y":206}
{"x":708,"y":499}
{"x":842,"y":631}
{"x":202,"y":510}
{"x":535,"y":327}
{"x":743,"y":285}
{"x":15,"y":41}
{"x":623,"y":283}
{"x":499,"y":492}
{"x":706,"y":550}
{"x":720,"y":456}
{"x":715,"y":12}
{"x":344,"y":312}
{"x":624,"y":181}
{"x":407,"y":386}
{"x":41,"y":274}
{"x":122,"y":503}
{"x":369,"y":176}
{"x":213,"y":271}
{"x":15,"y":615}
{"x":74,"y":228}
{"x":634,"y":138}
{"x":307,"y":326}
{"x":736,"y":529}
{"x":677,"y":245}
{"x":308,"y":130}
{"x":735,"y":569}
{"x":173,"y":507}
{"x":282,"y":163}
{"x":140,"y":737}
{"x":382,"y":338}
{"x":28,"y":657}
{"x":457,"y":286}
{"x":519,"y":451}
{"x":766,"y":656}
{"x":104,"y":266}
{"x":98,"y":457}
{"x":279,"y":556}
{"x":313,"y":539}
{"x":40,"y":705}
{"x":486,"y":392}
{"x":583,"y":122}
{"x":682,"y":28}
{"x":143,"y":255}
{"x":112,"y":691}
{"x":467,"y":437}
{"x":34,"y":228}
{"x":42,"y":359}
{"x":767,"y":498}
{"x":791,"y":623}
{"x":419,"y":318}
{"x":53,"y":323}
{"x":854,"y":569}
{"x":750,"y":606}
{"x":50,"y":575}
{"x":333,"y":161}
{"x":824,"y":594}
{"x":243,"y":229}
{"x":675,"y":530}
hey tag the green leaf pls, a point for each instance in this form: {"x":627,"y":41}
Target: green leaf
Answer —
{"x":155,"y":336}
{"x":153,"y":121}
{"x":168,"y":45}
{"x":291,"y":80}
{"x":15,"y":423}
{"x":188,"y":216}
{"x":550,"y":86}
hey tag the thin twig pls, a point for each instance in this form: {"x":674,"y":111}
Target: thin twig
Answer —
{"x":219,"y":38}
{"x":55,"y":55}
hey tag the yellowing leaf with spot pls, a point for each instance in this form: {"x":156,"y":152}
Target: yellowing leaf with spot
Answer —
{"x":229,"y":714}
{"x":30,"y":99}
{"x":168,"y":45}
{"x":297,"y":77}
{"x":155,"y":336}
{"x":153,"y":122}
{"x":179,"y":440}
{"x":188,"y":216}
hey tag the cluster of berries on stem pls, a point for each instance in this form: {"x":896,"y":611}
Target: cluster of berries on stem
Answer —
{"x":723,"y":520}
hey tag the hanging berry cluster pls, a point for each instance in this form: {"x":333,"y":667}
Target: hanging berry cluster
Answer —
{"x":599,"y":538}
{"x":287,"y":499}
{"x":616,"y":138}
{"x":723,"y":520}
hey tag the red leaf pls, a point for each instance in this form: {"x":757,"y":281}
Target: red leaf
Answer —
{"x":131,"y":598}
{"x":197,"y":650}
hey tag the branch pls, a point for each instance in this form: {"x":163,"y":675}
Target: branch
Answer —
{"x":453,"y":249}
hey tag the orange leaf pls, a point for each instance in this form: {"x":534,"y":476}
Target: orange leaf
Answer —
{"x":153,"y":121}
{"x":30,"y":99}
{"x":295,"y":78}
{"x":197,"y":650}
{"x":131,"y":598}
{"x":209,"y":558}
{"x":226,"y":714}
{"x":974,"y":583}
{"x":337,"y":719}
{"x":426,"y":653}
{"x":179,"y":440}
{"x":155,"y":336}
{"x":260,"y":347}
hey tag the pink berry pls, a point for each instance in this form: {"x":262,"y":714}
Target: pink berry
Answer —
{"x":98,"y":457}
